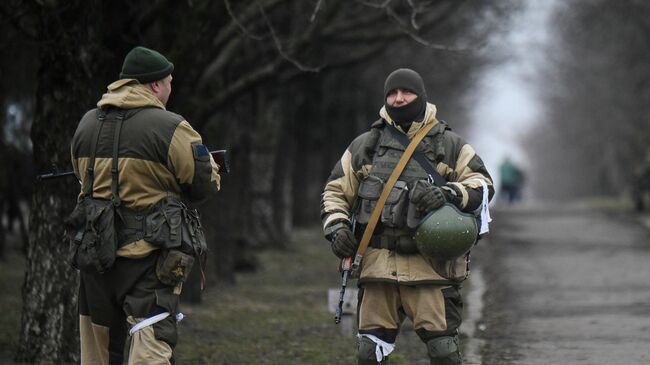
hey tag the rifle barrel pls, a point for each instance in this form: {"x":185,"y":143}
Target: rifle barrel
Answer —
{"x":220,"y":157}
{"x":339,"y":309}
{"x":54,"y":175}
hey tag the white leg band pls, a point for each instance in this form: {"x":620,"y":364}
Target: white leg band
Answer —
{"x":151,"y":320}
{"x":382,"y":349}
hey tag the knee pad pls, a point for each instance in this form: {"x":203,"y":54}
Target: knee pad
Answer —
{"x":366,"y":352}
{"x":444,"y":350}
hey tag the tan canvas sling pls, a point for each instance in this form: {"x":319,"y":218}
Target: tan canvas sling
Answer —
{"x":374,"y":217}
{"x":348,"y":266}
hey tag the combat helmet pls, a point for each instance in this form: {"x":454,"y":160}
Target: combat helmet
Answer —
{"x":446,"y":233}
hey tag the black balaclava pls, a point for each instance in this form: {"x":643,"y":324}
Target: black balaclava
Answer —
{"x":404,"y":78}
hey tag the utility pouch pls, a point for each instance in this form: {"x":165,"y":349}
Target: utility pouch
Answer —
{"x":163,"y":224}
{"x":369,"y":191}
{"x":177,"y":229}
{"x":394,"y":212}
{"x":173,"y":266}
{"x":455,"y":270}
{"x":193,"y":237}
{"x":92,"y":235}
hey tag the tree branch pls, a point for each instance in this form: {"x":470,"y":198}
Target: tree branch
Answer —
{"x":316,"y":9}
{"x":374,"y":5}
{"x":242,"y":84}
{"x":391,"y":13}
{"x":16,"y":22}
{"x":239,"y":24}
{"x":279,"y":48}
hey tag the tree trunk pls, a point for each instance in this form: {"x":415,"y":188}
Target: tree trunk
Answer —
{"x":69,"y":65}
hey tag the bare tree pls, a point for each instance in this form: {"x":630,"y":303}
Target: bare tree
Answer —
{"x":269,"y":79}
{"x":597,"y":125}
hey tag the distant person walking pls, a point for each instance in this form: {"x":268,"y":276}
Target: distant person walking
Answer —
{"x":136,"y":161}
{"x":641,"y":184}
{"x":512,"y":180}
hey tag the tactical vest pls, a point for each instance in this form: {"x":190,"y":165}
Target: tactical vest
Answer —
{"x":399,"y":216}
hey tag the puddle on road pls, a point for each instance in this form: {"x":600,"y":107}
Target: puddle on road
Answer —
{"x":472,"y":321}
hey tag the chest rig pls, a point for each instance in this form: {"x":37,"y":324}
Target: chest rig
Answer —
{"x":399,"y":217}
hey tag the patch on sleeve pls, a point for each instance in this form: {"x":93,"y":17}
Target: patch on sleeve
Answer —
{"x":201,"y":152}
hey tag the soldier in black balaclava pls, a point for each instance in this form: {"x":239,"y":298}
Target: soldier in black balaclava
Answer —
{"x":396,"y":279}
{"x":406,"y":98}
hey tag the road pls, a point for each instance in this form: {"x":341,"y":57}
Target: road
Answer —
{"x":562,"y":285}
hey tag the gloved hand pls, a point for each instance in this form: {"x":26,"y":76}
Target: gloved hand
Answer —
{"x":344,"y":244}
{"x":426,"y":196}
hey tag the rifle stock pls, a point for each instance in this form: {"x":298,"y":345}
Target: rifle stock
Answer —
{"x":220,"y":157}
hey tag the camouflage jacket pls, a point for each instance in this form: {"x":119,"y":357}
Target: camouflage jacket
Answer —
{"x":455,"y":160}
{"x":157,"y":154}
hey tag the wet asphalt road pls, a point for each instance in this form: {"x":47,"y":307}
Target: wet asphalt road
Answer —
{"x":563,"y":285}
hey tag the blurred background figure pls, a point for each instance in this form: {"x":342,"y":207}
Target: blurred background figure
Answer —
{"x":641,"y":185}
{"x":512,"y":180}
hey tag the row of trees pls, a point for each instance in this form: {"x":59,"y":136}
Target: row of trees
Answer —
{"x":596,"y":126}
{"x":284,"y":85}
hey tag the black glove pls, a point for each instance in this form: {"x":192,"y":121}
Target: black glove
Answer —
{"x":344,"y":244}
{"x":427,"y":197}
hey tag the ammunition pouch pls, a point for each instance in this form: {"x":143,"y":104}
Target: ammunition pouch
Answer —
{"x":171,"y":224}
{"x":394,"y":212}
{"x":369,"y":191}
{"x":176,"y":229}
{"x":92,"y":235}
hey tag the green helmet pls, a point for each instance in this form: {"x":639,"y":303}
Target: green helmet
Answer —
{"x":446,"y":233}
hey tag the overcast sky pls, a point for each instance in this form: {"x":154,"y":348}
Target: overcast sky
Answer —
{"x":505,"y":97}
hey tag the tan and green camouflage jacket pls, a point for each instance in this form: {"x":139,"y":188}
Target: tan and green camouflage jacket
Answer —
{"x":457,"y":162}
{"x":156,"y":154}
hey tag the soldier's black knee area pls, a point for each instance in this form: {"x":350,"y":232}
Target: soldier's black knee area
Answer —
{"x":366,"y":351}
{"x":166,"y":330}
{"x":444,"y":350}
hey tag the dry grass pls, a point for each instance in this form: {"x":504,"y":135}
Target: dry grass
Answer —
{"x":276,"y":315}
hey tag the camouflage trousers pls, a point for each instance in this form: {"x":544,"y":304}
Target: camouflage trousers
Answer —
{"x":113,"y":302}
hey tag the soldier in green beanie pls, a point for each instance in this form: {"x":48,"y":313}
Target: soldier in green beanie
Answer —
{"x":139,"y":162}
{"x":395,"y":278}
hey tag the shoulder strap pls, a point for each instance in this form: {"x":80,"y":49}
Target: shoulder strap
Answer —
{"x":115,"y":186}
{"x":372,"y":223}
{"x":418,"y":156}
{"x":90,"y":170}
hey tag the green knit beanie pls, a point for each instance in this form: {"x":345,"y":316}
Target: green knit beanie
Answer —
{"x":145,"y":65}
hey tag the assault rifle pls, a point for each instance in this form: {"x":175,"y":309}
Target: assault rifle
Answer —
{"x":346,"y":268}
{"x":221,"y":157}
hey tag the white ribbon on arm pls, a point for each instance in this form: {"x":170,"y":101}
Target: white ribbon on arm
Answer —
{"x":382,"y":349}
{"x":485,"y":209}
{"x":154,"y":319}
